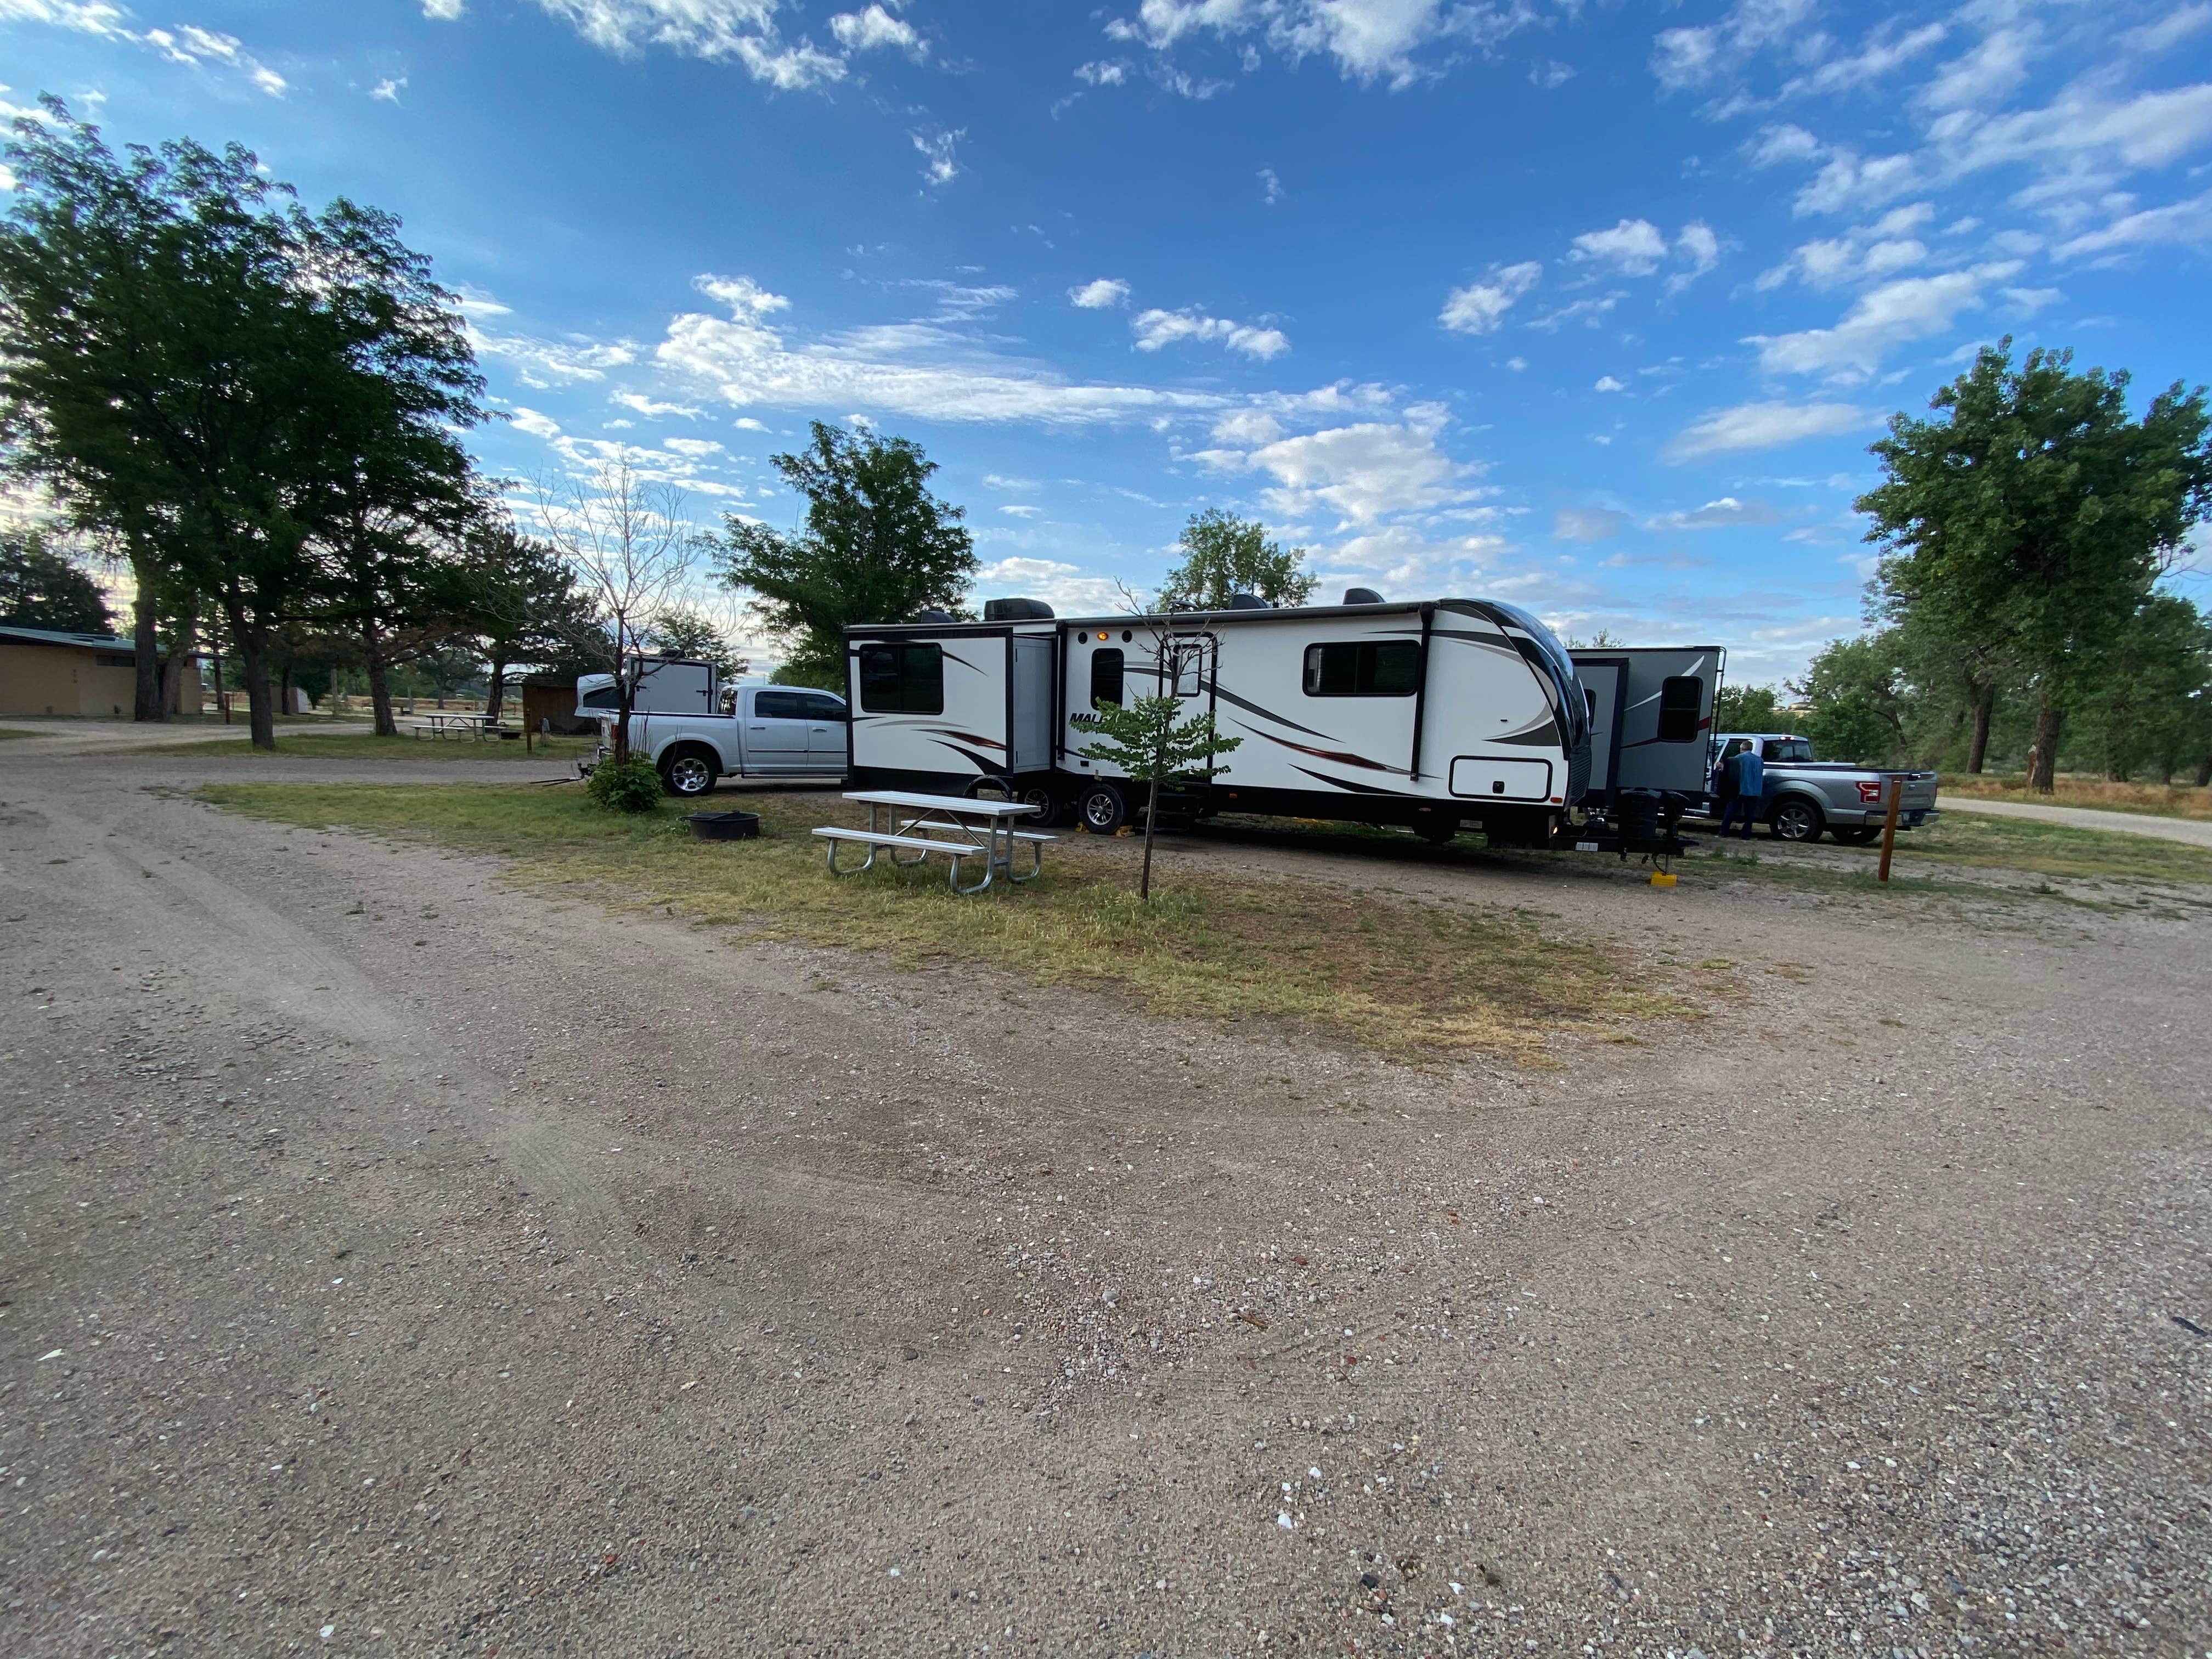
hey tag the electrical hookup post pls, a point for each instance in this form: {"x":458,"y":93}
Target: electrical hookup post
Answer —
{"x":1895,"y":791}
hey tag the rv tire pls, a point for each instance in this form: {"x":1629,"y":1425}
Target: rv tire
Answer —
{"x":1049,"y":805}
{"x":1103,"y":808}
{"x":688,"y":772}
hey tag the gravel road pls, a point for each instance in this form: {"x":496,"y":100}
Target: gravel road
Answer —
{"x":396,"y":1264}
{"x":2197,"y":832}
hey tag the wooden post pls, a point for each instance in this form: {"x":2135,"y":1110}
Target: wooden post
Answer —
{"x":1896,"y":794}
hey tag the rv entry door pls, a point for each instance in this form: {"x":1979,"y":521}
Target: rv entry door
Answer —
{"x":1601,"y":679}
{"x":1028,"y":689}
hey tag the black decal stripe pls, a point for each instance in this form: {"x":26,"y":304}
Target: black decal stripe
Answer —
{"x":1545,"y":736}
{"x":1337,"y":755}
{"x":1227,"y":696}
{"x":982,"y":764}
{"x":1355,"y":788}
{"x":966,"y":737}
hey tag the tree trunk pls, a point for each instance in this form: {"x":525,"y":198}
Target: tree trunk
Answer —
{"x":183,"y":637}
{"x":1985,"y":702}
{"x":380,"y":687}
{"x":251,"y":639}
{"x":495,"y":695}
{"x":1152,"y":819}
{"x":284,"y":692}
{"x":146,"y":703}
{"x":2042,"y":777}
{"x":2204,"y":772}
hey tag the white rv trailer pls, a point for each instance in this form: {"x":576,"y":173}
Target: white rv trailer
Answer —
{"x":1436,"y":714}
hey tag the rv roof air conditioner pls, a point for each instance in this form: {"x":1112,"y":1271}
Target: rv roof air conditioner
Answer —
{"x":934,"y":616}
{"x":1016,"y":611}
{"x":1248,"y":602}
{"x":1363,"y":596}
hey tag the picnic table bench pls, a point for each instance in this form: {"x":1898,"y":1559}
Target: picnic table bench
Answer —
{"x":958,"y":826}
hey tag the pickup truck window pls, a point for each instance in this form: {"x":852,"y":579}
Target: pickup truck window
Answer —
{"x":902,"y":679}
{"x":1363,"y":668}
{"x":1680,"y":701}
{"x":1105,"y":677}
{"x":1786,"y":749}
{"x":815,"y":706}
{"x":780,"y":706}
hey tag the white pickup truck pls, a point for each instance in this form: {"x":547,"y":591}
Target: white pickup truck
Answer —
{"x":699,"y":729}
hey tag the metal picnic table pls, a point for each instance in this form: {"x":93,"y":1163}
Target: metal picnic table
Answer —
{"x":959,"y":827}
{"x":441,"y":723}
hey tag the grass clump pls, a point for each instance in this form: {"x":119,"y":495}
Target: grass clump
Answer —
{"x":628,"y":785}
{"x":8,"y":732}
{"x":1395,"y":976}
{"x":2046,"y":849}
{"x":2165,"y":801}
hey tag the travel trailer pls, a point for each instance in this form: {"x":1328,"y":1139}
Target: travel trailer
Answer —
{"x":1437,"y":714}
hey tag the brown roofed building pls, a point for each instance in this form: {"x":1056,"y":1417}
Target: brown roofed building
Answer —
{"x":46,"y":672}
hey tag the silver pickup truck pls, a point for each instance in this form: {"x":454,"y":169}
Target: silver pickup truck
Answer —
{"x":1804,"y":796}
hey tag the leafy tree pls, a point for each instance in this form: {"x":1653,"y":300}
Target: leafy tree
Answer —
{"x":695,"y":636}
{"x":877,"y":546}
{"x":40,"y":588}
{"x":1857,"y":696}
{"x":523,"y":603}
{"x":1151,"y":740}
{"x":2144,"y":709}
{"x":193,"y":359}
{"x":1749,"y":708}
{"x":1224,"y":555}
{"x":2035,"y":514}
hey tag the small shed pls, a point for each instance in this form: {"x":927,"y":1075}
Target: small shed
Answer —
{"x":43,"y":672}
{"x":548,"y":704}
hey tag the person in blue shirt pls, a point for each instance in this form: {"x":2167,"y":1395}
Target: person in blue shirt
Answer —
{"x":1748,"y":774}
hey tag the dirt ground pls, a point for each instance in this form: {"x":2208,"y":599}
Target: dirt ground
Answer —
{"x":394,"y":1263}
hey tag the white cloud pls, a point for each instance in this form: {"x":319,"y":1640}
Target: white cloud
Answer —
{"x":1156,"y":329}
{"x":1369,"y":40}
{"x":742,"y":32}
{"x":1863,"y":254}
{"x":546,"y":363}
{"x":1765,"y":426}
{"x":1912,"y":308}
{"x":1516,"y":364}
{"x":389,"y":90}
{"x":873,"y":27}
{"x":1270,"y":187}
{"x":916,"y":370}
{"x":695,"y":449}
{"x":537,"y":425}
{"x":186,"y":44}
{"x":746,"y":423}
{"x":1479,"y":307}
{"x":1362,"y":473}
{"x":86,"y":16}
{"x":1787,"y":143}
{"x":1098,"y":295}
{"x":1104,"y":72}
{"x":2168,"y":32}
{"x":653,"y":411}
{"x":1883,"y":50}
{"x":1683,"y":58}
{"x":1850,"y":182}
{"x":1588,"y":524}
{"x":442,"y":11}
{"x":1700,"y":248}
{"x":1988,"y":72}
{"x":939,"y":166}
{"x":1720,"y":515}
{"x":2080,"y":129}
{"x":1550,"y":76}
{"x":7,"y":177}
{"x":1634,"y":247}
{"x":1589,"y":312}
{"x":1247,"y":428}
{"x":1607,"y":383}
{"x":1019,"y":510}
{"x":2180,"y":223}
{"x":1067,"y":587}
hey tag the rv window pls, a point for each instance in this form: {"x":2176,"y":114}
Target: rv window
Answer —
{"x":1363,"y":668}
{"x":902,"y":679}
{"x":1105,"y":677}
{"x":1681,"y":701}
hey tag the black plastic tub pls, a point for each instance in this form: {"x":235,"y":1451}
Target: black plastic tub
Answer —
{"x":725,"y":826}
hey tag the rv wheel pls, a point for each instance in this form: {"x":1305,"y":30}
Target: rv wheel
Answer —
{"x":1047,"y":808}
{"x":687,"y":773}
{"x":1103,"y":809}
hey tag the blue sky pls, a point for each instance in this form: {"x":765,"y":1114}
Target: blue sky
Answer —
{"x":1592,"y":307}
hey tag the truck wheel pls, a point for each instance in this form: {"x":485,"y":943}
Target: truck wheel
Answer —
{"x":1048,"y":807}
{"x":1856,"y":834}
{"x":1797,"y":819}
{"x":1103,"y":808}
{"x":687,"y":773}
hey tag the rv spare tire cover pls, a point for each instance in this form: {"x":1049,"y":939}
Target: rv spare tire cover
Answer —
{"x":1103,"y":809}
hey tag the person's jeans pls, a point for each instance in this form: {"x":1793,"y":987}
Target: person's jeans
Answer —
{"x":1744,"y":807}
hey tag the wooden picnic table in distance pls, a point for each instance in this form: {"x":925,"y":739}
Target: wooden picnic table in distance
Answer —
{"x":959,"y":827}
{"x":441,"y":723}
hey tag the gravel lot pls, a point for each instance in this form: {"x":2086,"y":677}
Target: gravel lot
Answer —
{"x":397,"y":1264}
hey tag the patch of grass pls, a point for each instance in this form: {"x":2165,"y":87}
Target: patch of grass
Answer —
{"x":362,"y":745}
{"x":2048,"y":849}
{"x":8,"y":732}
{"x":2157,"y":799}
{"x":1396,"y":977}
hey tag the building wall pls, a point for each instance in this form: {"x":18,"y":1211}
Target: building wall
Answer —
{"x":51,"y":679}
